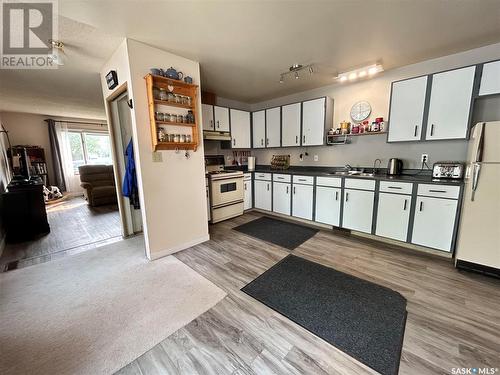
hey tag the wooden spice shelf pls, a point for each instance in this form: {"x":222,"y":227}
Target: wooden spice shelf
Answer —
{"x":174,"y":123}
{"x":176,"y":87}
{"x":173,"y":104}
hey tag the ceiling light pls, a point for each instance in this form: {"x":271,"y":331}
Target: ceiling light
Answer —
{"x":295,"y":70}
{"x":57,"y":56}
{"x":363,"y":72}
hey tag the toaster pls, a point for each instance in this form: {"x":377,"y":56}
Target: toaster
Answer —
{"x":448,"y":169}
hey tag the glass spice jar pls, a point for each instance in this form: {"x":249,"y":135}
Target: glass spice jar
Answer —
{"x":188,"y":138}
{"x":163,"y":94}
{"x":177,"y":138}
{"x":183,"y":138}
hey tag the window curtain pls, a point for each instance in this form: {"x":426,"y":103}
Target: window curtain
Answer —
{"x":57,"y":157}
{"x":71,"y":181}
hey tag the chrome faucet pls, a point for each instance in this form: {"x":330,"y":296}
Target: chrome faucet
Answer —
{"x":347,"y":167}
{"x":375,"y":163}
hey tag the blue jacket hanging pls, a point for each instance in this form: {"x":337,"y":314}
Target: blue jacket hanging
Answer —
{"x":130,"y":188}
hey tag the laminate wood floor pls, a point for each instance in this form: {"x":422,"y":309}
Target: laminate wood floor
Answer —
{"x":453,"y":317}
{"x":73,"y":225}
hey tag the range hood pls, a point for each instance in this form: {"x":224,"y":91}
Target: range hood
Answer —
{"x":216,"y":136}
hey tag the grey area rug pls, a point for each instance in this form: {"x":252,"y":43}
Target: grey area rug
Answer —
{"x":363,"y":319}
{"x":278,"y":232}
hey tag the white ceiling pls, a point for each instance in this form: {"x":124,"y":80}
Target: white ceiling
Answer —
{"x":243,"y":46}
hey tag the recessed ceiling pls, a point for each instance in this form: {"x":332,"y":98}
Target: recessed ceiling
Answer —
{"x":243,"y":46}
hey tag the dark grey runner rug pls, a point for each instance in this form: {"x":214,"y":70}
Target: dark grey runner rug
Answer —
{"x":278,"y":232}
{"x":363,"y":319}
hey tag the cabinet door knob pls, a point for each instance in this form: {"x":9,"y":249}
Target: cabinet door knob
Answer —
{"x":404,"y":207}
{"x":421,"y":205}
{"x":287,"y":189}
{"x":346,"y":197}
{"x":336,"y":195}
{"x":415,"y":132}
{"x":304,"y":139}
{"x":262,"y":142}
{"x":432,"y":130}
{"x":294,"y":189}
{"x":218,"y":125}
{"x":296,"y":139}
{"x":234,"y":142}
{"x":267,"y":187}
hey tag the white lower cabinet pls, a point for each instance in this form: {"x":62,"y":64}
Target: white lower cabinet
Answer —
{"x":358,"y":210}
{"x":281,"y":198}
{"x":247,"y":198}
{"x":328,"y":201}
{"x":434,"y":222}
{"x":302,"y":201}
{"x":393,"y":216}
{"x":263,"y":195}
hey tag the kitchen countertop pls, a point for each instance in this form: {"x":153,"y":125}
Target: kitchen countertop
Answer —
{"x":424,"y":177}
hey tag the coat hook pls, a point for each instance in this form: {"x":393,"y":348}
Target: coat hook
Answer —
{"x":130,"y":104}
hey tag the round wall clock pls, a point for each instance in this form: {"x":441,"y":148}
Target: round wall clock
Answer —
{"x":360,"y":111}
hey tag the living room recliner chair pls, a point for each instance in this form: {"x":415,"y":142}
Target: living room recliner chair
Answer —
{"x":98,"y":184}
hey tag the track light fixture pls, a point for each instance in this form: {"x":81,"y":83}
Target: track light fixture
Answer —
{"x":364,"y":72}
{"x":295,"y":69}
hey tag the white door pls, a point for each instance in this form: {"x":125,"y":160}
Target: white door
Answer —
{"x":221,"y":115}
{"x":240,"y":129}
{"x":450,"y":101}
{"x":207,"y":114}
{"x":273,"y":127}
{"x":281,"y":198}
{"x":358,"y":210}
{"x":407,"y":109}
{"x":263,"y":195}
{"x":247,"y":198}
{"x":259,"y":129}
{"x":393,"y":216}
{"x":490,"y":79}
{"x":302,"y":201}
{"x":290,"y":119}
{"x":313,"y":122}
{"x":328,"y":205}
{"x":434,"y":222}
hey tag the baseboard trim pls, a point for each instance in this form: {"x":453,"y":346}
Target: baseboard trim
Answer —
{"x":163,"y":253}
{"x":477,"y":268}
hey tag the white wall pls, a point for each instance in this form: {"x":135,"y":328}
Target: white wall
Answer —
{"x":172,"y":192}
{"x":363,"y":150}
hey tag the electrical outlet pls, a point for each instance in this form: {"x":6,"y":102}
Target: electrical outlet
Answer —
{"x":316,"y":157}
{"x":425,"y":158}
{"x":157,"y":157}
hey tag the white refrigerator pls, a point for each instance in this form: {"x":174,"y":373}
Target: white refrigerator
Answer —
{"x":478,"y":245}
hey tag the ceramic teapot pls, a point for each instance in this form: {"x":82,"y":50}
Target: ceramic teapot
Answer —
{"x":173,"y":74}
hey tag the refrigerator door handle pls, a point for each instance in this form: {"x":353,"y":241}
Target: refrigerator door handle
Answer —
{"x":476,"y":167}
{"x":480,"y":144}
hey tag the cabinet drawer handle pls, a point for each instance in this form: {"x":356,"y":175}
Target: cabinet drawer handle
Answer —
{"x":432,"y":130}
{"x":437,"y":191}
{"x":394,"y":187}
{"x":280,"y":178}
{"x":346,"y":197}
{"x":336,"y":195}
{"x":296,"y":139}
{"x":421,"y":205}
{"x":302,"y":179}
{"x":415,"y":132}
{"x":404,"y":207}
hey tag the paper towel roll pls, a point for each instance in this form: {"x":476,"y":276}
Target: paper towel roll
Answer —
{"x":251,"y":163}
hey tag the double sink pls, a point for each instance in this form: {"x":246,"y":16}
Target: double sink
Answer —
{"x":351,"y":173}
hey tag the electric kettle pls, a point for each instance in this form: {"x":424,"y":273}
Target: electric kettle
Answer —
{"x":395,"y":167}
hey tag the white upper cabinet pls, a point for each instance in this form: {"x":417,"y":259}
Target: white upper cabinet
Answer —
{"x":273,"y":127}
{"x":407,"y":109}
{"x":490,"y":79}
{"x":290,"y":117}
{"x":313,"y":122}
{"x":240,"y":129}
{"x":221,"y":115}
{"x":450,"y":101}
{"x":207,"y":114}
{"x":259,"y":129}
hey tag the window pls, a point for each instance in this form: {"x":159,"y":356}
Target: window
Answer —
{"x":89,"y":148}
